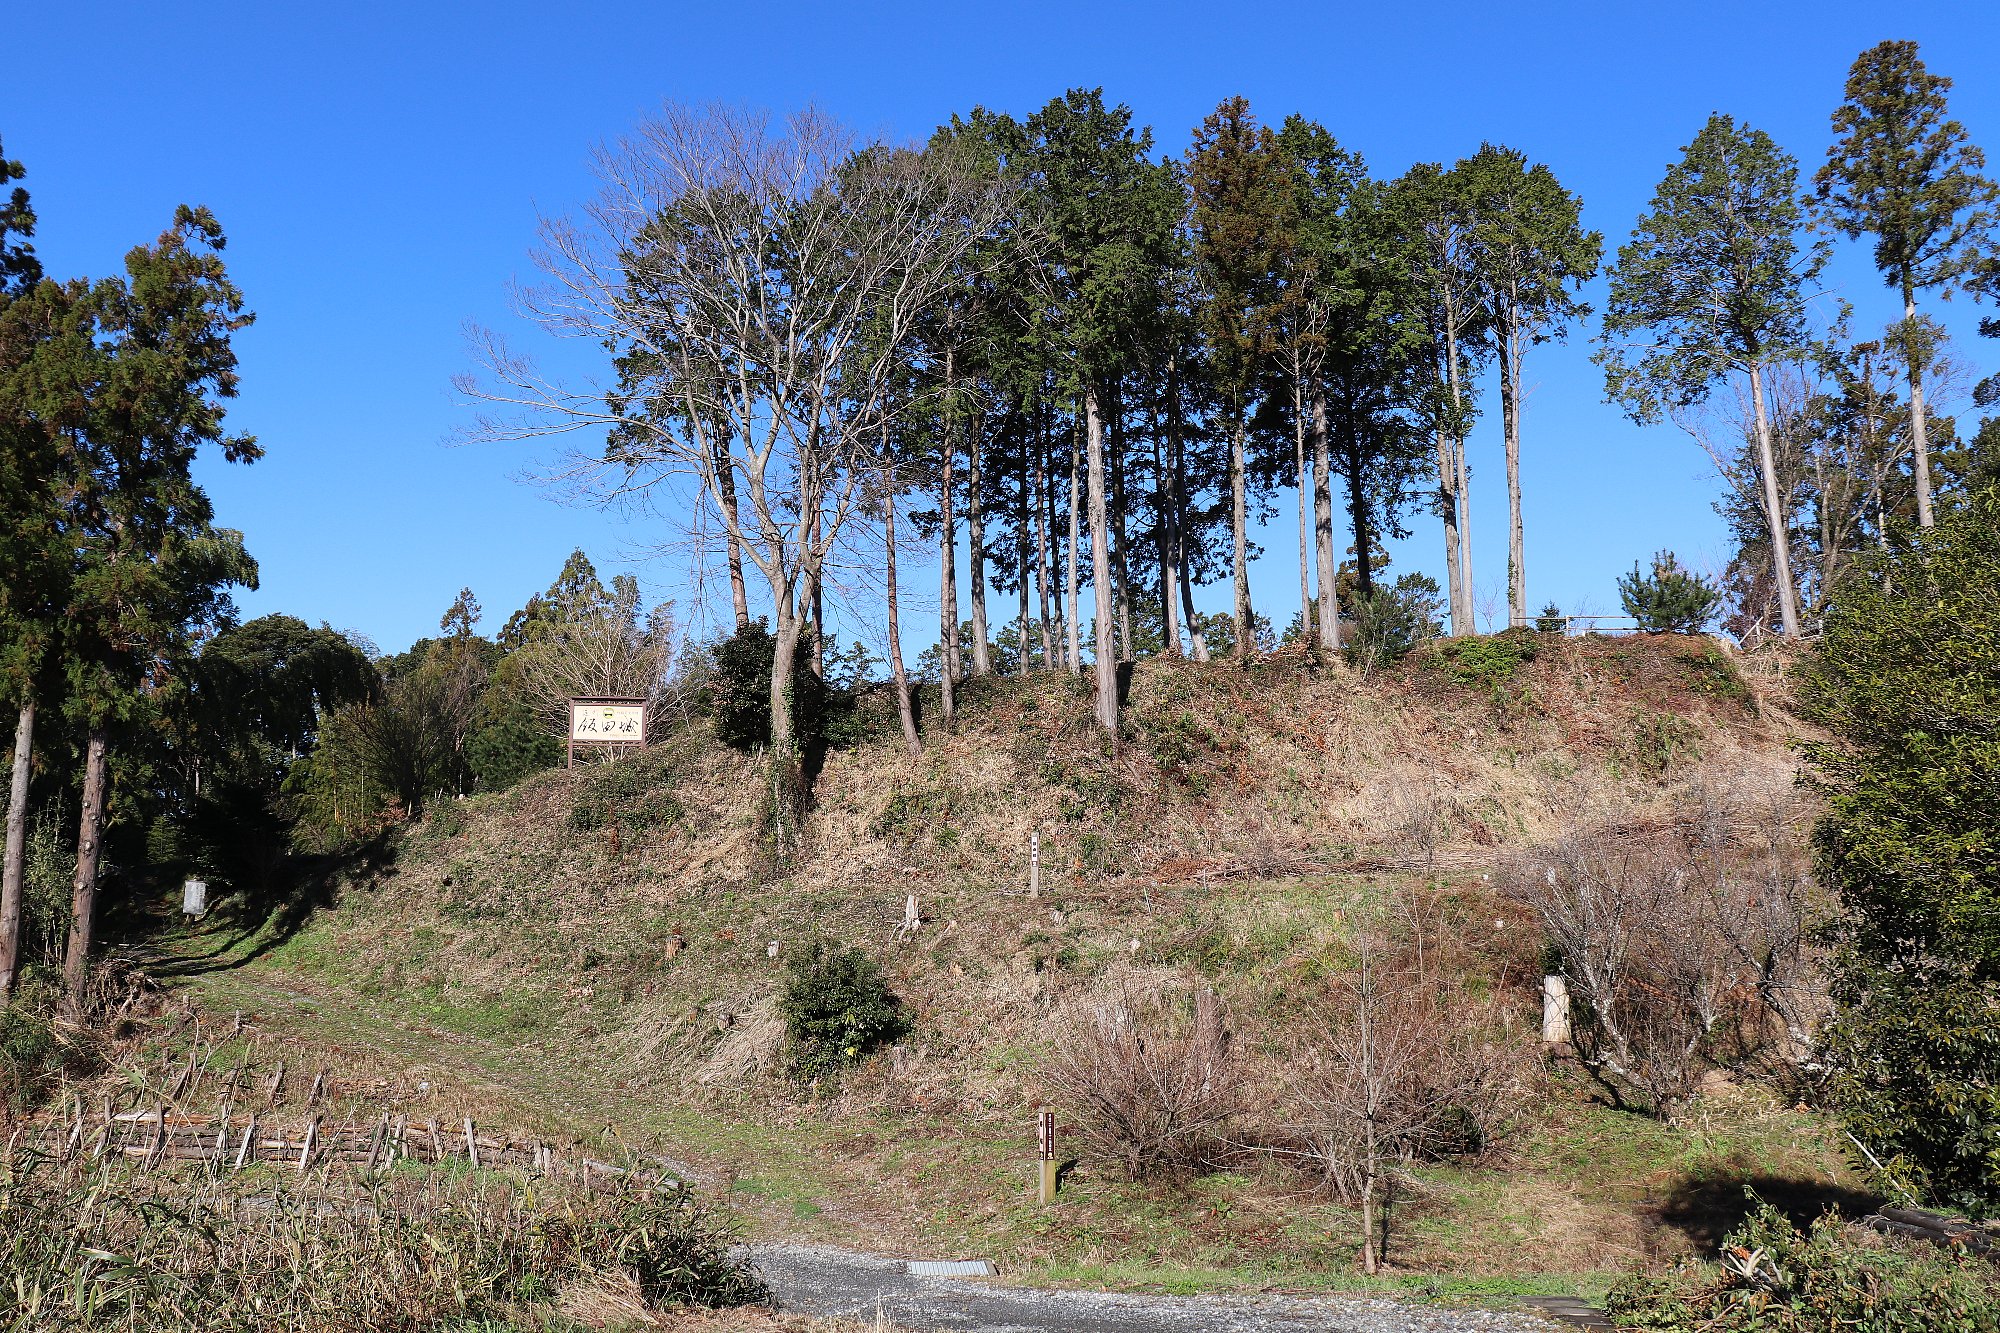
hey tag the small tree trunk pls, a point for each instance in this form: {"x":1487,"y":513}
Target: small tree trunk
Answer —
{"x":1106,"y":657}
{"x":1196,"y":638}
{"x":1044,"y":507}
{"x":904,"y":708}
{"x":83,"y":888}
{"x":13,"y":871}
{"x":1357,"y":506}
{"x":975,"y":537}
{"x":1073,"y":642}
{"x":1163,"y":541}
{"x":948,"y":663}
{"x":1329,"y":581}
{"x":725,"y":480}
{"x":1774,"y":512}
{"x":1919,"y":427}
{"x":1240,"y":540}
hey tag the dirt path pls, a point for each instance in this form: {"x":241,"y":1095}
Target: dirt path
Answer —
{"x":830,"y":1282}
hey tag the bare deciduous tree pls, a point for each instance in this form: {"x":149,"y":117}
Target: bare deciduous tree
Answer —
{"x":759,"y":283}
{"x":1408,"y":1066}
{"x":601,"y":651}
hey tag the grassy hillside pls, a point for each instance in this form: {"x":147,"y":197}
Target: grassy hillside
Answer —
{"x":594,"y":951}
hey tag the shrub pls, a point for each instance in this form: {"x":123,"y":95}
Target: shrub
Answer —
{"x":1777,"y":1279}
{"x":1491,"y":661}
{"x":1670,"y":600}
{"x":1389,"y":622}
{"x":837,"y":1007}
{"x":1152,"y":1075}
{"x":1552,"y":620}
{"x":1904,"y":682}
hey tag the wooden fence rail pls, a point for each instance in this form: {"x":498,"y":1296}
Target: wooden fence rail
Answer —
{"x":233,"y":1143}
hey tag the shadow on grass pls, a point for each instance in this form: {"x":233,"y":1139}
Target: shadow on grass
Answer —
{"x":313,"y":883}
{"x":1706,"y":1208}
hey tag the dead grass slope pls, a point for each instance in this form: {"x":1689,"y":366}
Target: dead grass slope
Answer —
{"x":636,"y":907}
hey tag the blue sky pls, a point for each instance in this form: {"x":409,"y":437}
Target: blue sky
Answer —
{"x":379,"y":169}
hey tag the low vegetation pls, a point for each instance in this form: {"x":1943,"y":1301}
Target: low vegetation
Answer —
{"x":100,"y":1248}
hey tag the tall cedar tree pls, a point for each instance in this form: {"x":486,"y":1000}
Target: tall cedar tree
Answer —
{"x":1244,"y":230}
{"x":1714,"y":283}
{"x":1530,"y":252}
{"x":1108,"y":213}
{"x":31,"y":595}
{"x":145,"y":370}
{"x":1437,"y":221}
{"x":1317,"y":295}
{"x":1901,"y":171}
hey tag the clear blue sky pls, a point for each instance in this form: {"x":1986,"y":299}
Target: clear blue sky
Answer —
{"x":379,"y":169}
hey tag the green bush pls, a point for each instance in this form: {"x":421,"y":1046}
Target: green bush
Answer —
{"x":1491,"y":661}
{"x":510,"y":747}
{"x":837,"y":1007}
{"x":1906,"y":683}
{"x":31,"y":1055}
{"x":1809,"y":1282}
{"x":1552,"y":620}
{"x":1388,"y":622}
{"x":740,"y":689}
{"x":1670,"y":600}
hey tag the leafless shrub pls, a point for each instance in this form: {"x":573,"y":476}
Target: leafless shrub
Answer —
{"x":1409,"y":1067}
{"x":1152,"y":1074}
{"x":600,"y":651}
{"x":1674,"y":939}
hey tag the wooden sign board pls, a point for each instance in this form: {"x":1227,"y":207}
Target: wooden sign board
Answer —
{"x":606,"y":722}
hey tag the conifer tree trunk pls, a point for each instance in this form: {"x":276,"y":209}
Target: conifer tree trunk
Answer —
{"x":1357,"y":504}
{"x":83,"y":888}
{"x":1106,"y":656}
{"x":1510,"y":416}
{"x":1919,"y":427}
{"x":1120,"y":570}
{"x":975,"y":537}
{"x":1329,"y":581}
{"x":1305,"y":494}
{"x":13,"y":869}
{"x":1774,"y":510}
{"x":1239,"y":535}
{"x":1023,"y":560}
{"x":905,"y":710}
{"x":1044,"y":507}
{"x":1073,"y":641}
{"x":1196,"y":639}
{"x":1448,"y":509}
{"x":948,"y":663}
{"x":1458,"y":553}
{"x":1164,"y":540}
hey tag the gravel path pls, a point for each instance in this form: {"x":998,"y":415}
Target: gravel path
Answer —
{"x":824,"y":1281}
